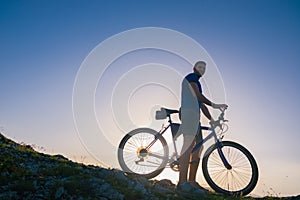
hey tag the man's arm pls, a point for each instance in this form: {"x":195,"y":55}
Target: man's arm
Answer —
{"x":205,"y":111}
{"x":200,"y":96}
{"x":203,"y":99}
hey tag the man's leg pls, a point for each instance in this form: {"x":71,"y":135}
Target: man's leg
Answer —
{"x":195,"y":157}
{"x":194,"y":164}
{"x":189,"y":126}
{"x":185,"y":157}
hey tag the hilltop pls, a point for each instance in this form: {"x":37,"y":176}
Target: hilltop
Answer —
{"x":28,"y":174}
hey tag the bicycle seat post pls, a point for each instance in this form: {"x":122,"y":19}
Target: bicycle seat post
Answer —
{"x":169,"y":119}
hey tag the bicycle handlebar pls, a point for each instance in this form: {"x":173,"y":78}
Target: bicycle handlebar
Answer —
{"x":218,"y":123}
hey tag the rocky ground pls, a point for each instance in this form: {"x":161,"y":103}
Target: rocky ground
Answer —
{"x":27,"y":174}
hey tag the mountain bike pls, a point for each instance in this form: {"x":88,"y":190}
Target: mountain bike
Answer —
{"x":227,"y":166}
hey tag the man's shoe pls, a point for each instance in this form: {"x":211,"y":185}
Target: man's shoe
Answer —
{"x":196,"y":185}
{"x":187,"y":187}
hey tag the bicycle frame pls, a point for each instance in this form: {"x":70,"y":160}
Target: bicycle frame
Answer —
{"x":198,"y":145}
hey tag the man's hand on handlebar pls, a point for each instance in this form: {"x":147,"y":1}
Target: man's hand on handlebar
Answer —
{"x":222,"y":107}
{"x":220,"y":120}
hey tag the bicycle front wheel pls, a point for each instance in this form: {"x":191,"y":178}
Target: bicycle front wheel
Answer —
{"x":240,"y":180}
{"x":137,"y":156}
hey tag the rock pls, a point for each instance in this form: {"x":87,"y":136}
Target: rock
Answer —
{"x":107,"y":191}
{"x":104,"y":187}
{"x":141,"y":188}
{"x":59,"y":192}
{"x":9,"y":195}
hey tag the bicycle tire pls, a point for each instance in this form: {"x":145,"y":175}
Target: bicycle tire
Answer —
{"x":229,"y":181}
{"x":129,"y":146}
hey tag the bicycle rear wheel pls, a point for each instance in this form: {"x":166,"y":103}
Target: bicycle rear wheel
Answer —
{"x":240,"y":180}
{"x":134,"y":156}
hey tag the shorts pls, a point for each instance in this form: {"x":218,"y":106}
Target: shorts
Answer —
{"x":190,"y":123}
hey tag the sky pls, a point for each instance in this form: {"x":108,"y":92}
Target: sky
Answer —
{"x":255,"y":46}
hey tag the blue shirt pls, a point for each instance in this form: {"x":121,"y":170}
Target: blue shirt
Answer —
{"x":188,"y":100}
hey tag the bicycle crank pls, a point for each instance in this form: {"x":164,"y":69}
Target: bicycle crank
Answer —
{"x":174,"y":166}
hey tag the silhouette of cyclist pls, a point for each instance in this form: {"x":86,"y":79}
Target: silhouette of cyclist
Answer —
{"x":192,"y":101}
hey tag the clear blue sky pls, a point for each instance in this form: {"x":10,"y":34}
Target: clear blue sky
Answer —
{"x":255,"y":44}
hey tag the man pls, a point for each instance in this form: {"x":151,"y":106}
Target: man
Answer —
{"x":192,"y":100}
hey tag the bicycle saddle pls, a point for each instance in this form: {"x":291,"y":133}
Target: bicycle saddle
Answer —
{"x":170,"y":111}
{"x":163,"y":113}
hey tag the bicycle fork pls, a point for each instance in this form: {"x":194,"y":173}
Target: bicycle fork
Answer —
{"x":222,"y":156}
{"x":219,"y":148}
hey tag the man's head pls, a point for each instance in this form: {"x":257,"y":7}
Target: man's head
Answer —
{"x":199,"y":68}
